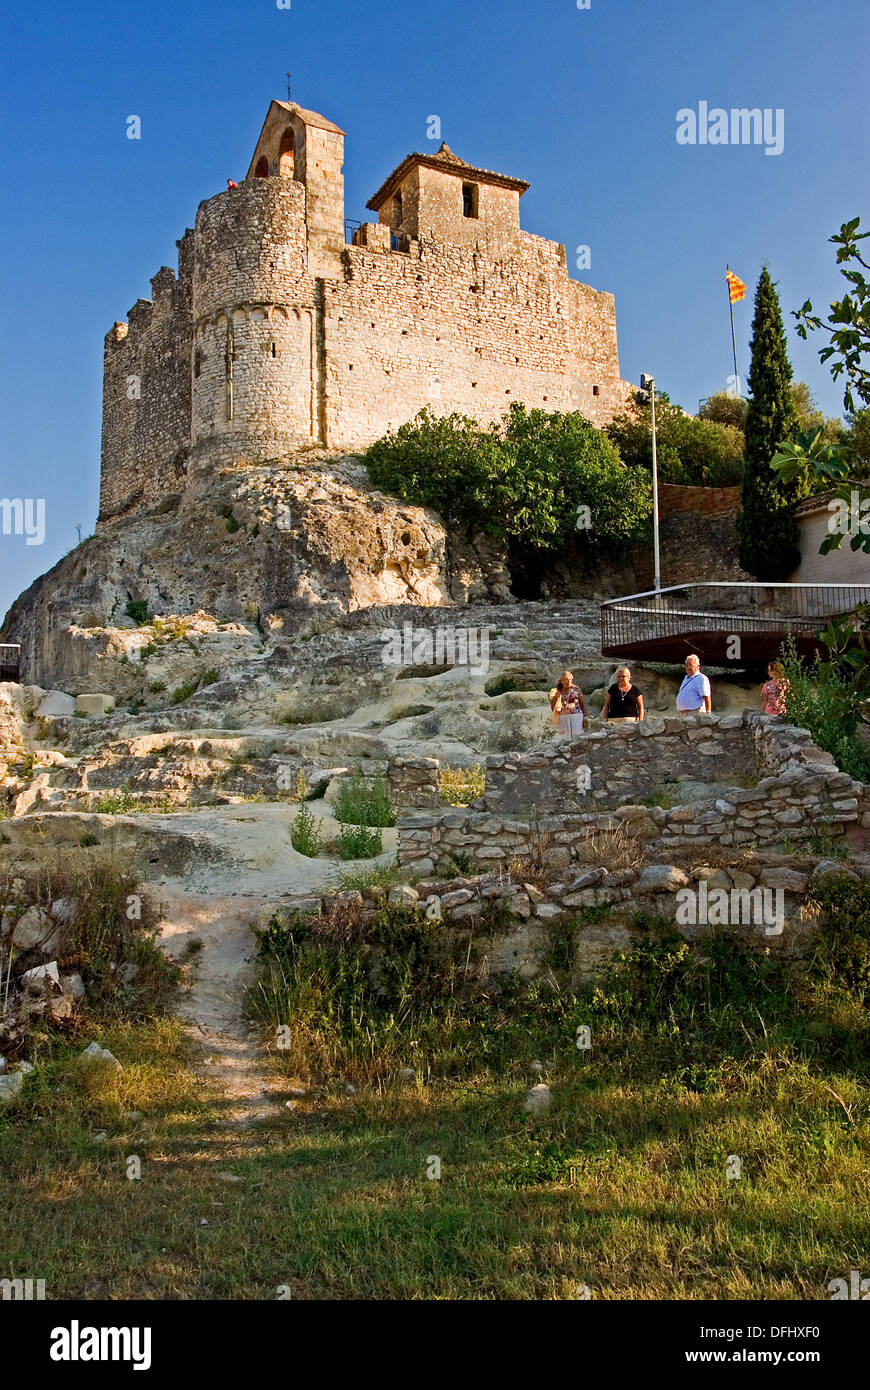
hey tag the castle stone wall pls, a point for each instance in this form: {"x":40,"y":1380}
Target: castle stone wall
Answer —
{"x":146,"y":396}
{"x":276,"y":333}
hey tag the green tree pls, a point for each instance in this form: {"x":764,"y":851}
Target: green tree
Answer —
{"x":809,"y":415}
{"x":812,"y":460}
{"x":724,"y":408}
{"x":691,"y":451}
{"x":768,"y":543}
{"x":856,"y":439}
{"x":521,"y":481}
{"x":848,"y":323}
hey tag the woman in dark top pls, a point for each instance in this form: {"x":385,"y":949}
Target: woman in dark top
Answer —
{"x":624,"y":701}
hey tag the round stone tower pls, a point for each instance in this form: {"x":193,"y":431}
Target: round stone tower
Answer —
{"x":255,"y":354}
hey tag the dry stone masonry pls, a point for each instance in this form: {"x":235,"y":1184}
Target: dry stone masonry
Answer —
{"x":800,"y":794}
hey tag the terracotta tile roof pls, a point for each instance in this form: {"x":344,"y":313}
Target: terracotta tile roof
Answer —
{"x":818,"y":503}
{"x":448,"y":163}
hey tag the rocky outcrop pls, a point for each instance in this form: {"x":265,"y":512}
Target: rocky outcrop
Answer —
{"x":273,"y":547}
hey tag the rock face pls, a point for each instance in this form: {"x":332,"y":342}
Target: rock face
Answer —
{"x":275,"y":546}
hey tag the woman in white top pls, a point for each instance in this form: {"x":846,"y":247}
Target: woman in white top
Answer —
{"x":694,"y":695}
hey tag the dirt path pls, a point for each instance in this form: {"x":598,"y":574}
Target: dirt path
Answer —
{"x":211,"y":1006}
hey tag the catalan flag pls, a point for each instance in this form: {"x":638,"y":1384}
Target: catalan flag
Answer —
{"x":736,"y":287}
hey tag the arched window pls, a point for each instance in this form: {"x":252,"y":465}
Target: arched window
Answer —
{"x":262,"y":169}
{"x":287,"y":155}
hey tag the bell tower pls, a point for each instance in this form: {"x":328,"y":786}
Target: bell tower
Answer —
{"x":306,"y":147}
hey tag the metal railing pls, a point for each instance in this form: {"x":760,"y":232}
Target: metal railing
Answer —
{"x":774,"y":609}
{"x":10,"y":661}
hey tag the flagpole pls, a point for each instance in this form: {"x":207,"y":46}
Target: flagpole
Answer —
{"x":733,"y":339}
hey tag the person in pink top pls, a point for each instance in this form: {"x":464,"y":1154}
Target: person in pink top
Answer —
{"x":774,"y":690}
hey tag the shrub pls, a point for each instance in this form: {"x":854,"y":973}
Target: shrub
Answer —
{"x":99,"y":937}
{"x":704,"y":452}
{"x":209,"y":677}
{"x":306,"y":833}
{"x":460,"y":785}
{"x":229,"y":520}
{"x":364,"y":801}
{"x":359,"y":842}
{"x":172,"y":629}
{"x":137,"y":609}
{"x":821,"y":699}
{"x":182,"y":692}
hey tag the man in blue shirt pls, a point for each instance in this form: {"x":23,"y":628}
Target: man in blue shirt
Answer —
{"x":694,"y":695}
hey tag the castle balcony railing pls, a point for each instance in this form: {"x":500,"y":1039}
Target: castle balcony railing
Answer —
{"x":725,"y":624}
{"x":350,"y":230}
{"x":10,"y":661}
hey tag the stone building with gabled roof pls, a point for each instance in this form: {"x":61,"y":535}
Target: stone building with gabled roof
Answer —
{"x":286,"y":325}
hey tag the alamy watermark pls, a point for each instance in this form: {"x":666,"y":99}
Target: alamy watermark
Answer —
{"x":24,"y":517}
{"x":721,"y":907}
{"x":850,"y":518}
{"x":739,"y":126}
{"x":440,"y":646}
{"x":22,"y":1290}
{"x":853,"y":1289}
{"x":77,"y":1343}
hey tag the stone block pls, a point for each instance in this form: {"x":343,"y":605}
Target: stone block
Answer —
{"x":547,"y":911}
{"x":95,"y":704}
{"x":457,"y":898}
{"x":661,"y":878}
{"x":56,"y":704}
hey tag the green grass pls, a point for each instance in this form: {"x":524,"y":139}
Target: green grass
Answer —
{"x":381,"y":876}
{"x":124,"y":803}
{"x":622,"y":1186}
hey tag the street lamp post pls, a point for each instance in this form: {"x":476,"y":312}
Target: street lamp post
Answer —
{"x":648,"y":385}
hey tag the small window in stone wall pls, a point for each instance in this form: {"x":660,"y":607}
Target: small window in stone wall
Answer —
{"x":287,"y":155}
{"x":470,"y":200}
{"x":596,"y":390}
{"x":262,"y":169}
{"x":273,"y":350}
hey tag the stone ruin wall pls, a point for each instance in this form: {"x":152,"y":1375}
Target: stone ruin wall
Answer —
{"x":800,"y":794}
{"x":618,"y":764}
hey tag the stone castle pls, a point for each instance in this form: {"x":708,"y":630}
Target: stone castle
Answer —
{"x":282,"y":330}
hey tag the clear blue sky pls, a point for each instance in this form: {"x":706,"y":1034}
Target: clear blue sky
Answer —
{"x":582,"y":103}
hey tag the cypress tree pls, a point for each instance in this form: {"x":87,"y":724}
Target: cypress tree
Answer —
{"x":768,"y":543}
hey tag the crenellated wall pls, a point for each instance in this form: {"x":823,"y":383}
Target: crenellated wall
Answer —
{"x":146,"y":395}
